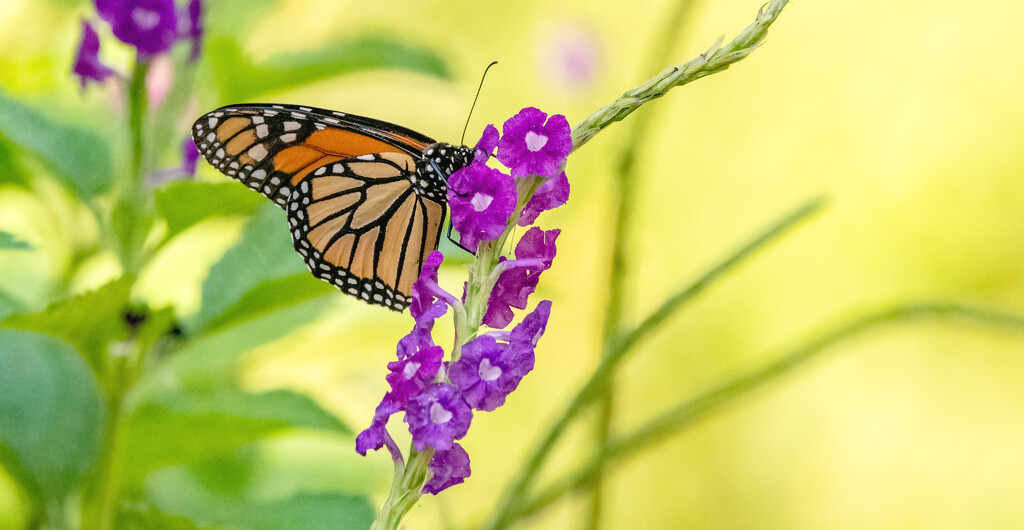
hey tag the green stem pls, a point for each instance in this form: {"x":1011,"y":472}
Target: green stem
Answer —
{"x":137,"y":103}
{"x":516,"y":490}
{"x":102,"y":493}
{"x":716,"y":59}
{"x":129,"y":200}
{"x":624,"y":192}
{"x":693,"y":410}
{"x":406,"y":491}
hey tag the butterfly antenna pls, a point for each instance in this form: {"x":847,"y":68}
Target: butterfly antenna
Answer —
{"x":476,"y":97}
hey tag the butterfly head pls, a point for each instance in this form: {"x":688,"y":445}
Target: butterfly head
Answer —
{"x":447,"y":159}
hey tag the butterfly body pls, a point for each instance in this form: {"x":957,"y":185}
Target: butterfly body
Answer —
{"x":365,"y":198}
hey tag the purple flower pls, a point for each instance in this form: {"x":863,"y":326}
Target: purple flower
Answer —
{"x":481,"y":199}
{"x":525,"y":335}
{"x":437,"y":417}
{"x":189,"y":156}
{"x":414,"y":370}
{"x":528,"y":145}
{"x":485,"y":147}
{"x":528,"y":332}
{"x":553,"y":193}
{"x":425,"y":307}
{"x":485,"y":373}
{"x":194,"y":14}
{"x":87,"y":64}
{"x":448,"y":468}
{"x":374,"y":436}
{"x":534,"y":254}
{"x":149,"y":25}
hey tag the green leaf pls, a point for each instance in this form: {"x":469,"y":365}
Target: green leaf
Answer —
{"x":12,"y":171}
{"x":51,"y":413}
{"x":9,"y":242}
{"x":185,"y":203}
{"x":240,"y":79}
{"x":271,"y":296}
{"x":79,"y":158}
{"x":191,"y":425}
{"x":211,"y":359}
{"x":9,"y":305}
{"x":90,"y":322}
{"x":264,"y":252}
{"x":181,"y":492}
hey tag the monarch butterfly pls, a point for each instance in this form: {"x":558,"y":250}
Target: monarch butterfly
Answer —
{"x":365,"y":198}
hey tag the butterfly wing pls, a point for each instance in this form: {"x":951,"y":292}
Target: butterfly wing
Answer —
{"x":360,"y":225}
{"x":271,"y":148}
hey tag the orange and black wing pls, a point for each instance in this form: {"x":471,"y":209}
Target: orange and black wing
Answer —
{"x":360,"y":225}
{"x":271,"y":148}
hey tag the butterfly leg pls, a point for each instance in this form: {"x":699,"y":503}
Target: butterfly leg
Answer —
{"x":453,"y":240}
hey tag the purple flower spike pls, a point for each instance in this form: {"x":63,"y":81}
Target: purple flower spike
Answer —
{"x":437,"y":417}
{"x":149,"y":25}
{"x":413,"y":372}
{"x":528,"y":145}
{"x":485,"y":147}
{"x":485,"y":374}
{"x":516,"y":284}
{"x":553,"y":193}
{"x":481,"y":199}
{"x":87,"y":64}
{"x":449,"y":468}
{"x":374,"y":436}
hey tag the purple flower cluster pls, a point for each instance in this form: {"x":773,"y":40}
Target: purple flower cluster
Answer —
{"x":437,"y":397}
{"x":482,"y":198}
{"x":438,"y":400}
{"x":151,"y":26}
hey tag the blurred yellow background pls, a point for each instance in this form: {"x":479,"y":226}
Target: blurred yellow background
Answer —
{"x":907,"y":115}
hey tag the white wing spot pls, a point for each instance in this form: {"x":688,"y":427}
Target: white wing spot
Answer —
{"x":259,"y":174}
{"x":288,"y":138}
{"x":257,"y":119}
{"x":257,"y":152}
{"x":262,"y":130}
{"x":364,"y":157}
{"x":212,"y":122}
{"x":292,"y":126}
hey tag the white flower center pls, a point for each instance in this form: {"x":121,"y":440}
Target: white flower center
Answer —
{"x":534,"y":141}
{"x":410,"y":369}
{"x":489,"y":372}
{"x":481,"y":201}
{"x":438,"y":414}
{"x":145,"y":19}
